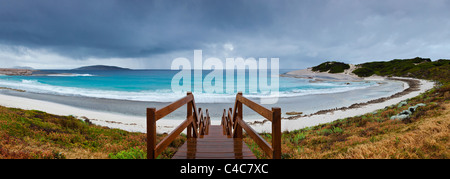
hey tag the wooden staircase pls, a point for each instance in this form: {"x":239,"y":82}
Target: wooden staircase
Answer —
{"x":217,"y":141}
{"x":215,"y":145}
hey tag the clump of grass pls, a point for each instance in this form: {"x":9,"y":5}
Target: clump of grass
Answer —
{"x":298,"y":137}
{"x":132,"y":153}
{"x":36,"y":134}
{"x":375,"y":135}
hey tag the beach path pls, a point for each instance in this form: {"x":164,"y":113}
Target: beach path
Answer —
{"x":215,"y":145}
{"x":214,"y":141}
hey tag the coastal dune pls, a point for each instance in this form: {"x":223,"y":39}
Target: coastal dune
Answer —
{"x":324,"y":76}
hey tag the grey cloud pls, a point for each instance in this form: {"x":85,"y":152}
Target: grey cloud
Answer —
{"x":301,"y":33}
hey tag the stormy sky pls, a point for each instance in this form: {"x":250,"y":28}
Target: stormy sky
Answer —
{"x":61,"y":34}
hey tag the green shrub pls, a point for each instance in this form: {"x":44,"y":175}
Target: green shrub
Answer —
{"x":338,"y":130}
{"x":417,"y":67}
{"x":132,"y":153}
{"x":331,"y":67}
{"x":363,"y":72}
{"x":298,"y":137}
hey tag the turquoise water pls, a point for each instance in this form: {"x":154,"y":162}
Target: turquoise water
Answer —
{"x":155,"y":85}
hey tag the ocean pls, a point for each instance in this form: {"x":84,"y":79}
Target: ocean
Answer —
{"x":155,"y":85}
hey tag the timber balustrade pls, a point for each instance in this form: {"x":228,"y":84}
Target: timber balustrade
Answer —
{"x":195,"y":123}
{"x":227,"y":143}
{"x":233,"y":123}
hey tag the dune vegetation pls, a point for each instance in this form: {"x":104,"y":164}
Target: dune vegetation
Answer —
{"x":375,"y":135}
{"x":31,"y":134}
{"x":425,"y":134}
{"x":331,"y":67}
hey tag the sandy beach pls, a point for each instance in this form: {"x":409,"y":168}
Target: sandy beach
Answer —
{"x":326,"y":107}
{"x":313,"y":120}
{"x":324,"y":76}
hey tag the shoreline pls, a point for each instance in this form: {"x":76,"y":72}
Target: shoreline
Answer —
{"x":415,"y":87}
{"x":137,"y":123}
{"x":324,"y":76}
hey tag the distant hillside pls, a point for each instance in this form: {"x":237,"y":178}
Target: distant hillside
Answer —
{"x":23,"y":67}
{"x":417,"y":67}
{"x":331,"y":67}
{"x":101,"y":67}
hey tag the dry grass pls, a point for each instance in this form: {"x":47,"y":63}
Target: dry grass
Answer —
{"x":427,"y":138}
{"x":26,"y":134}
{"x":425,"y":135}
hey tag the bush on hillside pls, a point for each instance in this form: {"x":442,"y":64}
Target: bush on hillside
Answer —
{"x":331,"y":67}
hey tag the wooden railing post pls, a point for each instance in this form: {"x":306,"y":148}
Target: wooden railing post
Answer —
{"x":238,"y":124}
{"x":151,"y":133}
{"x":276,"y":132}
{"x":224,"y":123}
{"x":189,"y":113}
{"x":239,"y":114}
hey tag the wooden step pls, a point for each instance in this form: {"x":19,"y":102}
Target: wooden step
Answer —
{"x":215,"y":145}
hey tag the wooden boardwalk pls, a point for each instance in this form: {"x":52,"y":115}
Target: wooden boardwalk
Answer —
{"x":215,"y":145}
{"x":205,"y":141}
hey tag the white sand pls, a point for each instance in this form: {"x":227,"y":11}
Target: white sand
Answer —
{"x":289,"y":125}
{"x":138,"y":123}
{"x":319,"y":76}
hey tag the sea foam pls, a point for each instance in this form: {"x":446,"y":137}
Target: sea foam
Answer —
{"x":166,"y":95}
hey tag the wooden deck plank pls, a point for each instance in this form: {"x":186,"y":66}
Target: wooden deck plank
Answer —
{"x":214,"y":149}
{"x":214,"y":146}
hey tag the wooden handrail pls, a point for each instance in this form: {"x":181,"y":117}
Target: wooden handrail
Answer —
{"x":255,"y":107}
{"x":204,"y":123}
{"x":238,"y":124}
{"x":257,"y":138}
{"x":191,"y":123}
{"x":173,"y":106}
{"x":167,"y":140}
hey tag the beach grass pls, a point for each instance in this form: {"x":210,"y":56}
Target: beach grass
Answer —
{"x":30,"y":134}
{"x":374,"y":135}
{"x":425,"y":135}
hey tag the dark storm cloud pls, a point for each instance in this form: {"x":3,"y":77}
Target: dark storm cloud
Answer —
{"x":301,"y":33}
{"x":122,"y":28}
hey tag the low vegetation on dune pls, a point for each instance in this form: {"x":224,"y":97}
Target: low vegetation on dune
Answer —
{"x":423,"y":134}
{"x":30,"y":134}
{"x":331,"y":67}
{"x":417,"y":67}
{"x":375,"y":135}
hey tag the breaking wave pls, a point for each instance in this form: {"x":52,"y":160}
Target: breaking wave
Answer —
{"x":167,"y":95}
